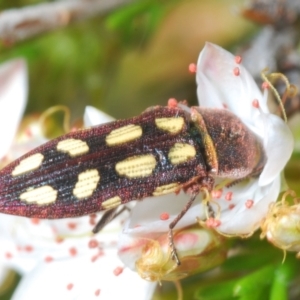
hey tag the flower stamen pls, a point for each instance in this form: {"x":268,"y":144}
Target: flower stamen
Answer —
{"x":50,"y":112}
{"x":193,"y":68}
{"x":238,"y":59}
{"x":164,"y":216}
{"x":290,"y":91}
{"x":236,"y":71}
{"x":255,"y":103}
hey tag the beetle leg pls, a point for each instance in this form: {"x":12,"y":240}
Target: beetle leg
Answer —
{"x":174,"y":223}
{"x":107,"y":217}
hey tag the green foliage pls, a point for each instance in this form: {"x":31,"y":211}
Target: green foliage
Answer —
{"x":8,"y":285}
{"x":254,"y":272}
{"x":115,"y":61}
{"x":136,"y":22}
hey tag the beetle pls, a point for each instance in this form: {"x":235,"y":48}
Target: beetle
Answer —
{"x":164,"y":150}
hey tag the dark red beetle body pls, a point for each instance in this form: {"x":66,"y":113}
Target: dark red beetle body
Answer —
{"x":161,"y":151}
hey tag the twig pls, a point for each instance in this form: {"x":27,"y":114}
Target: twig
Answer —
{"x":20,"y":24}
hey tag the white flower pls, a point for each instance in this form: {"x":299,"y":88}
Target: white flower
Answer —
{"x":222,"y":83}
{"x":61,"y":259}
{"x":13,"y":96}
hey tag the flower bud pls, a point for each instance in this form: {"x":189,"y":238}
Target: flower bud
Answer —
{"x":281,"y":226}
{"x":198,"y":249}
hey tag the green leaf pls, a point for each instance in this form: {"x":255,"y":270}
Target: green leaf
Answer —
{"x":282,"y":277}
{"x":246,"y":262}
{"x":254,"y":284}
{"x":216,"y":291}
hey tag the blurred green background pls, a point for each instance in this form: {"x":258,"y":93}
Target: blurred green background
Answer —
{"x":131,"y":58}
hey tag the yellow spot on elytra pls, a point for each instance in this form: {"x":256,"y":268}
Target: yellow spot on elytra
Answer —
{"x":172,"y":125}
{"x":111,"y":202}
{"x":28,"y":164}
{"x":136,"y":166}
{"x":123,"y":135}
{"x":73,"y":147}
{"x":41,"y":195}
{"x":86,"y":184}
{"x":181,"y":153}
{"x":166,"y":189}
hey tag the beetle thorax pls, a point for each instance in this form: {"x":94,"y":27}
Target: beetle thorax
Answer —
{"x":232,"y":149}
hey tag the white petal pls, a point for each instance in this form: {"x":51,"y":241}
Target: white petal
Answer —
{"x":51,"y":281}
{"x":142,"y":221}
{"x":93,"y":116}
{"x":207,"y":94}
{"x":13,"y":97}
{"x":19,"y":233}
{"x":235,"y":92}
{"x":278,"y":144}
{"x":243,"y":220}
